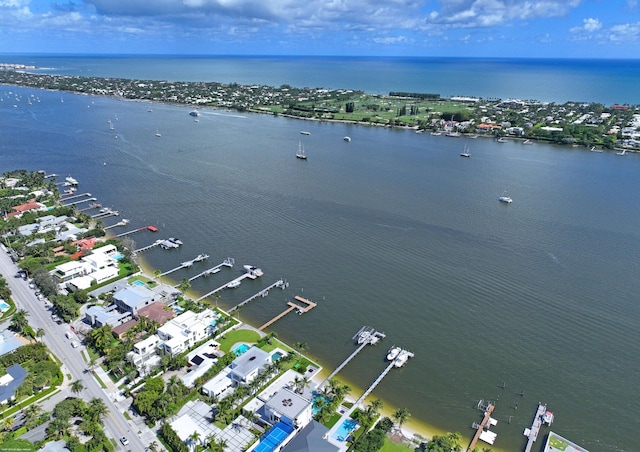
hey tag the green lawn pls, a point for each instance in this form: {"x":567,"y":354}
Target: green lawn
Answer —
{"x":390,"y":446}
{"x":230,"y":338}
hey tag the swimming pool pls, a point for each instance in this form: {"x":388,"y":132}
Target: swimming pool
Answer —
{"x":240,"y":349}
{"x":4,"y":306}
{"x":138,"y":283}
{"x":345,"y":429}
{"x":276,"y":356}
{"x":117,"y":256}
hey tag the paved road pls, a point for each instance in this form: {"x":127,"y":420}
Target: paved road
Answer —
{"x":115,"y":425}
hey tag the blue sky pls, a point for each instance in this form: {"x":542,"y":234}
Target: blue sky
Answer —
{"x":500,"y":28}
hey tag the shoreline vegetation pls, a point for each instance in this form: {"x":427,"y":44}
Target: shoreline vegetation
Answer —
{"x":590,"y":125}
{"x":40,"y":251}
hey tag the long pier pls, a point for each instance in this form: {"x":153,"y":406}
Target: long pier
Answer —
{"x":228,"y":262}
{"x":75,"y":203}
{"x":281,"y":283}
{"x":148,"y":247}
{"x":69,"y":198}
{"x":144,"y":228}
{"x":95,"y":205}
{"x":377,"y":381}
{"x":122,"y":222}
{"x":186,"y":264}
{"x":361,"y":345}
{"x":481,"y":426}
{"x":218,"y":289}
{"x":535,"y":426}
{"x":292,"y":306}
{"x":106,"y":213}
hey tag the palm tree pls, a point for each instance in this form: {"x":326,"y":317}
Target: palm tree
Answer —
{"x":97,"y":409}
{"x":92,"y":364}
{"x":32,"y":412}
{"x":153,"y":447}
{"x":40,"y":333}
{"x":77,"y":387}
{"x":401,"y":415}
{"x":156,"y":273}
{"x":301,"y":346}
{"x":19,"y":321}
{"x":193,"y":439}
{"x":184,"y":286}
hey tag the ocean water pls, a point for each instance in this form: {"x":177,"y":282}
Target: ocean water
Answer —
{"x":546,"y":80}
{"x":392,"y":230}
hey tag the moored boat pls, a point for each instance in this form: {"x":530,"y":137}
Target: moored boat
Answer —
{"x":393,"y":353}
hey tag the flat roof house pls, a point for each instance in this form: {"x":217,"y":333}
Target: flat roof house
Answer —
{"x":244,"y":369}
{"x":182,"y":332}
{"x":132,"y":298}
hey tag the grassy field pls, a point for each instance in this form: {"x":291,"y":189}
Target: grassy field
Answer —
{"x":380,"y":110}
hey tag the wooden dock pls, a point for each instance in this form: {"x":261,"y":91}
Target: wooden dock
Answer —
{"x":292,"y":306}
{"x":481,"y":426}
{"x":144,"y":228}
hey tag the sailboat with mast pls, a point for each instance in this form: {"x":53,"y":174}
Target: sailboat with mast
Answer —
{"x":300,"y":154}
{"x":466,"y":152}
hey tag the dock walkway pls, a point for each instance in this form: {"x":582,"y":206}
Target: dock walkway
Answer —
{"x":481,"y":426}
{"x":75,"y":203}
{"x":281,"y":283}
{"x":358,"y":402}
{"x":352,"y":355}
{"x":535,"y":427}
{"x":69,"y":198}
{"x":292,"y":306}
{"x":144,"y":228}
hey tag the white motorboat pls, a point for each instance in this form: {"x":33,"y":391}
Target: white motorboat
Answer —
{"x":504,"y":198}
{"x":465,"y":152}
{"x":402,"y":358}
{"x":195,"y":113}
{"x":347,"y":139}
{"x":393,"y":353}
{"x":233,"y":284}
{"x":253,"y":271}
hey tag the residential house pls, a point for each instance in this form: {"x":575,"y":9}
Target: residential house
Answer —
{"x":246,"y":367}
{"x":10,"y":382}
{"x":132,"y":298}
{"x":184,"y":331}
{"x":289,"y":407}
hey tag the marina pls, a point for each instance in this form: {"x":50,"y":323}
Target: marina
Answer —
{"x":281,"y":283}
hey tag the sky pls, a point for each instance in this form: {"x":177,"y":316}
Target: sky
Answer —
{"x":465,"y":28}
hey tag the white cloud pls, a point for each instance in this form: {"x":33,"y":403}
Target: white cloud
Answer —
{"x":625,"y":32}
{"x":391,"y":40}
{"x":589,"y":25}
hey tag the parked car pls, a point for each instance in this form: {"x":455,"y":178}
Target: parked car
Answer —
{"x":124,"y":440}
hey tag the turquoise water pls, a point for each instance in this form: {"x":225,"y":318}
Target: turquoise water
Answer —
{"x":119,"y":256}
{"x":4,"y":306}
{"x":240,"y":349}
{"x":276,"y":356}
{"x":342,"y":433}
{"x":138,"y":283}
